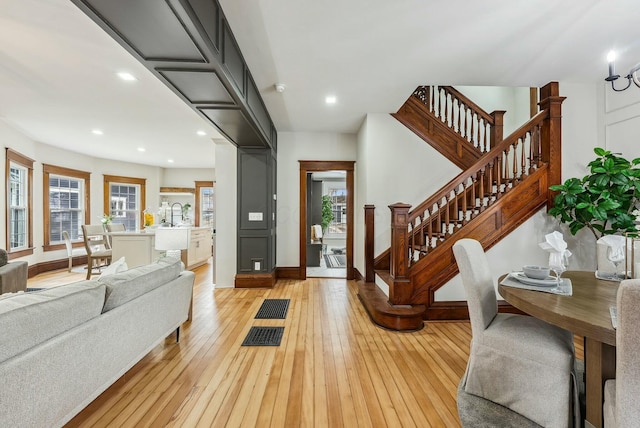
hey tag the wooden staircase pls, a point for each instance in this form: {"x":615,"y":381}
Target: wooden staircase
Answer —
{"x":505,"y":185}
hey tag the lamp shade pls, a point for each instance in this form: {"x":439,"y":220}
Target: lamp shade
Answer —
{"x":172,"y":238}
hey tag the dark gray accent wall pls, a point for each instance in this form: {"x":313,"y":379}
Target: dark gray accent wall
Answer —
{"x":256,"y":210}
{"x":189,"y":46}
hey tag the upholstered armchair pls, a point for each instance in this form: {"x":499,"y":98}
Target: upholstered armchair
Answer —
{"x":520,"y":368}
{"x":621,"y":394}
{"x":13,"y":275}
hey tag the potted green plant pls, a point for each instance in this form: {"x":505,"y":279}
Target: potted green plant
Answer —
{"x":327,"y":213}
{"x":605,"y":201}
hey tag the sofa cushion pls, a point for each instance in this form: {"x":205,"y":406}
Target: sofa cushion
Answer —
{"x":125,"y":286}
{"x":28,"y":319}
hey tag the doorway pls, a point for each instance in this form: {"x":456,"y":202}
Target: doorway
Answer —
{"x":331,"y":242}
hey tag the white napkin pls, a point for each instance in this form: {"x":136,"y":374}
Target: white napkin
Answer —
{"x":554,"y":243}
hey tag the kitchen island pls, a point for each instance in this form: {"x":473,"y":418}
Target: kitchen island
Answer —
{"x":138,"y":247}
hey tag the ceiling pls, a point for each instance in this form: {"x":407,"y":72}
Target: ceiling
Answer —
{"x":58,"y":68}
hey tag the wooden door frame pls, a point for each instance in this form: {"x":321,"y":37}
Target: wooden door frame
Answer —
{"x":307,"y":166}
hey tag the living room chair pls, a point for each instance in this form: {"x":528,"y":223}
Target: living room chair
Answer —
{"x":97,"y":246}
{"x":13,"y":275}
{"x":520,"y":368}
{"x":621,"y":394}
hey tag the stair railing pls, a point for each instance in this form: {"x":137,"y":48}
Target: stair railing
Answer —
{"x":480,"y":129}
{"x":415,"y":233}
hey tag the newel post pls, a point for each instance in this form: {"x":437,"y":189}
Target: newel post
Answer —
{"x":497,"y":130}
{"x":399,"y":292}
{"x":551,"y":134}
{"x":369,"y":220}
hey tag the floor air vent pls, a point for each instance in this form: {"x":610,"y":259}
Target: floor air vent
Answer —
{"x":264,"y":336}
{"x":273,"y":309}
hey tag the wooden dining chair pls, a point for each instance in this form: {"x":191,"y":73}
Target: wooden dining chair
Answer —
{"x":621,"y":394}
{"x":520,"y":368}
{"x":97,"y":246}
{"x":71,"y":252}
{"x":115,"y":227}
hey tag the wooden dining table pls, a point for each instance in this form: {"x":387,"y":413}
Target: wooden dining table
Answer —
{"x":585,"y":313}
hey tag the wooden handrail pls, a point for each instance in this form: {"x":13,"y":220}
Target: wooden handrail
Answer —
{"x":480,"y":164}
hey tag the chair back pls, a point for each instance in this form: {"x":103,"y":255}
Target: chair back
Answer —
{"x":116,"y":227}
{"x":67,"y":243}
{"x":478,"y":283}
{"x":628,"y":353}
{"x":94,"y":238}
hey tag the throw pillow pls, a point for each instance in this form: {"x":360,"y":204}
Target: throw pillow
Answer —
{"x":119,"y":265}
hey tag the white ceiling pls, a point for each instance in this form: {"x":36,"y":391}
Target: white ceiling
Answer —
{"x":58,"y":81}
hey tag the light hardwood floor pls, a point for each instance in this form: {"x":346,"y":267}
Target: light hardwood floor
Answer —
{"x":334,"y":368}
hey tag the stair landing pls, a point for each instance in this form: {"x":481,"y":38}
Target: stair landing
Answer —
{"x":386,"y":315}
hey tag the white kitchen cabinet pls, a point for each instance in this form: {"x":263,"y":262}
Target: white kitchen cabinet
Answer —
{"x":199,"y":247}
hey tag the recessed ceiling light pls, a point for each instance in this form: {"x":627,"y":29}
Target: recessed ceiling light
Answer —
{"x":170,"y":160}
{"x":201,"y":133}
{"x":97,"y":132}
{"x":128,"y":77}
{"x":330,"y":99}
{"x":142,"y":149}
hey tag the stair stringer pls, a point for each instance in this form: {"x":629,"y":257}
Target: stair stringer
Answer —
{"x":415,"y":116}
{"x":438,"y":267}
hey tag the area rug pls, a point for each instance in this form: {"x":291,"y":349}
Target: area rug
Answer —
{"x":335,"y":260}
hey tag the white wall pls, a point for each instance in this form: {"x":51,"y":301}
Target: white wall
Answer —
{"x":226,"y":214}
{"x":515,"y":101}
{"x":293,"y":147}
{"x":394,"y":165}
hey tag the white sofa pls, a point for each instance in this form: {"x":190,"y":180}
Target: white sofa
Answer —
{"x":62,"y":347}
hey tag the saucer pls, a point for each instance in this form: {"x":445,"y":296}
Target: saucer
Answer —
{"x":547,"y":282}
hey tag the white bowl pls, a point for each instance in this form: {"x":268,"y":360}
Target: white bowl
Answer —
{"x":536,"y":272}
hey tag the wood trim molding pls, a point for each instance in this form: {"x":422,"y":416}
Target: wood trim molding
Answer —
{"x":108,"y":179}
{"x":199,"y":185}
{"x":13,"y":156}
{"x":307,"y":166}
{"x":255,"y":280}
{"x":179,"y":189}
{"x":289,"y":272}
{"x":68,"y":172}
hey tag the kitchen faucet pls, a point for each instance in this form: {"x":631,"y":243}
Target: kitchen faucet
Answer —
{"x":181,"y":215}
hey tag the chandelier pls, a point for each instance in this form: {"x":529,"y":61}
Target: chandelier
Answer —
{"x":631,"y":77}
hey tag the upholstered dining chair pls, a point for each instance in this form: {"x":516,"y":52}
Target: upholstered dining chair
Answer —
{"x":97,"y":246}
{"x":520,"y":368}
{"x":621,"y":394}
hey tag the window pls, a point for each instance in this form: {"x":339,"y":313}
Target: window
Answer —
{"x":339,"y":208}
{"x":205,"y":203}
{"x":124,"y":199}
{"x":19,"y":174}
{"x":66,"y":204}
